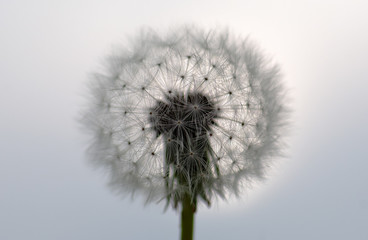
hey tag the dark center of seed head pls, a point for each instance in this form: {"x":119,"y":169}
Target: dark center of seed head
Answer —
{"x":177,"y":109}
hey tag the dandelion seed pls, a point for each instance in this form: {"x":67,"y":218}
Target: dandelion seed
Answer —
{"x":189,"y":117}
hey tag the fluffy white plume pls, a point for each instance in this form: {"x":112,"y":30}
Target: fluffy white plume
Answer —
{"x":196,"y":104}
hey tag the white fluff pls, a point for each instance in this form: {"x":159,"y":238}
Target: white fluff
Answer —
{"x":245,"y":88}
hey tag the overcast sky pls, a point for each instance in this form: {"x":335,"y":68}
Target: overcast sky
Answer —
{"x":49,"y":191}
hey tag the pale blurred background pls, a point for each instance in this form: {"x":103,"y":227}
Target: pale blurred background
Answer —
{"x":49,"y":191}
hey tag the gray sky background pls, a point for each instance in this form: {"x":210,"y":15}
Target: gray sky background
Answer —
{"x":48,"y":190}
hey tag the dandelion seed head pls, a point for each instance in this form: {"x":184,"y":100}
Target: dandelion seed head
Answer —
{"x":195,"y":112}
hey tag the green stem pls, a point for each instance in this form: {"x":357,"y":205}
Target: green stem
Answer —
{"x":187,"y":219}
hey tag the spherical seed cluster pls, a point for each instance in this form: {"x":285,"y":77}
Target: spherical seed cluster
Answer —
{"x":195,"y":113}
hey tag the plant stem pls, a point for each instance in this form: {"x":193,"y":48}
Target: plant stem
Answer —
{"x":187,"y":218}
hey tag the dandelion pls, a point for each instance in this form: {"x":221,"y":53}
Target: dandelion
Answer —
{"x":186,"y":118}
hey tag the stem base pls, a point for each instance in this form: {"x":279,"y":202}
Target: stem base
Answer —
{"x":187,"y":219}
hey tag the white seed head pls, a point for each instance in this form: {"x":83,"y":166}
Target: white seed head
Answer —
{"x":195,"y":112}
